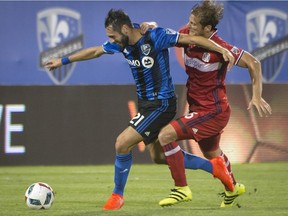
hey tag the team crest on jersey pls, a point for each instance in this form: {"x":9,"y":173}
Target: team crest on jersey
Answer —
{"x":206,"y":57}
{"x":266,"y":30}
{"x":59,"y":34}
{"x":146,"y":48}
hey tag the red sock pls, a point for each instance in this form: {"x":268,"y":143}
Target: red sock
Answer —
{"x":228,"y":165}
{"x":175,"y":160}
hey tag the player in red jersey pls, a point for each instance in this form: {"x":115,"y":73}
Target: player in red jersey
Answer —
{"x":209,"y":109}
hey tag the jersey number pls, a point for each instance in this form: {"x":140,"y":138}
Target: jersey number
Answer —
{"x":137,"y":119}
{"x":190,"y":115}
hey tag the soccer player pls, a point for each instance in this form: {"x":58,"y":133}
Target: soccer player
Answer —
{"x":209,"y":109}
{"x":148,"y":58}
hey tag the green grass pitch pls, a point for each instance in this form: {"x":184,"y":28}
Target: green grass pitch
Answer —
{"x":82,"y":191}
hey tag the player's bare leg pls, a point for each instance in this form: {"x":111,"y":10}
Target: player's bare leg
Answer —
{"x":156,"y":153}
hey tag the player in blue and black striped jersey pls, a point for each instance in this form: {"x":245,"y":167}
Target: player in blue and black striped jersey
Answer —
{"x":148,"y":57}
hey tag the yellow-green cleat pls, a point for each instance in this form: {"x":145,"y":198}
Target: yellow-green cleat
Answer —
{"x":230,"y":196}
{"x":177,"y":195}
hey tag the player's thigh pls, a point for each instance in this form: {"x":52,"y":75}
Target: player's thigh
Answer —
{"x":199,"y":125}
{"x":167,"y":135}
{"x":152,"y":116}
{"x":127,"y":139}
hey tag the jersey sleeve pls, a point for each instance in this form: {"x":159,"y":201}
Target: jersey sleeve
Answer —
{"x":235,"y":51}
{"x":111,"y":48}
{"x":183,"y":30}
{"x":136,"y":25}
{"x":164,"y":38}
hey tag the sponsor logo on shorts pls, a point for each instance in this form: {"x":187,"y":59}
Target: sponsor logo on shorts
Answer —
{"x":147,"y":133}
{"x":195,"y":130}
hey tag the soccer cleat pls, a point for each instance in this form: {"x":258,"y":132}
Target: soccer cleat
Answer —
{"x":115,"y":202}
{"x":177,"y":195}
{"x":220,"y":171}
{"x":229,"y":197}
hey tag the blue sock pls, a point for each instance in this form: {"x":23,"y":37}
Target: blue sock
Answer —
{"x":194,"y":162}
{"x":123,"y":164}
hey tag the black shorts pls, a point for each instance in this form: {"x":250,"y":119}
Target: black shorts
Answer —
{"x":152,"y":116}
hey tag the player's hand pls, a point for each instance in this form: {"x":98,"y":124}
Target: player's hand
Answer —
{"x":53,"y":64}
{"x":261,"y":105}
{"x":228,"y":57}
{"x":144,"y":26}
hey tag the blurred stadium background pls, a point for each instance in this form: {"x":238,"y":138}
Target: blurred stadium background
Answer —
{"x":73,"y":115}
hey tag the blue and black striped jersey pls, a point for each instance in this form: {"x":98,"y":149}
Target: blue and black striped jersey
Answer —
{"x":149,"y":62}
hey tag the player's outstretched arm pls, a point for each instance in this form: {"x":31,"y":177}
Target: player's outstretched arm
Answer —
{"x":208,"y":44}
{"x":85,"y":54}
{"x":254,"y":67}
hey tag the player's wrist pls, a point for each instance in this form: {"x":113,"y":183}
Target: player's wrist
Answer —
{"x":65,"y":60}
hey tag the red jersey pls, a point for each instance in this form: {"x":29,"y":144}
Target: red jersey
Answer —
{"x":206,"y":70}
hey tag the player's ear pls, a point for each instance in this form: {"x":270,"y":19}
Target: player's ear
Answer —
{"x":124,"y":30}
{"x":208,"y":28}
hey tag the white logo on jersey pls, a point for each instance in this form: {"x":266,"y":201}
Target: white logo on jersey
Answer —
{"x":201,"y":66}
{"x":170,"y":31}
{"x":206,"y":57}
{"x":125,"y":51}
{"x":147,"y":62}
{"x":133,"y":62}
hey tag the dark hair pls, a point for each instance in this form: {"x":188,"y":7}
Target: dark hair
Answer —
{"x":117,"y":18}
{"x":209,"y":13}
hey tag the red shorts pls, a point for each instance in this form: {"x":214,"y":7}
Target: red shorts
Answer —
{"x":204,"y":127}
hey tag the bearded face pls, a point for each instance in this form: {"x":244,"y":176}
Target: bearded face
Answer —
{"x":124,"y":41}
{"x":117,"y":37}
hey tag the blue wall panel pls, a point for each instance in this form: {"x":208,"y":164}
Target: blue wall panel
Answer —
{"x":249,"y":25}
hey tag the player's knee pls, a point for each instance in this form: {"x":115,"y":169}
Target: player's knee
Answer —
{"x":211,"y":154}
{"x":165,"y":137}
{"x":120,"y":146}
{"x":158,"y":158}
{"x":156,"y":153}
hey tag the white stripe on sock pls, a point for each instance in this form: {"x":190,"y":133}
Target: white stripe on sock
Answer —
{"x":173,"y":151}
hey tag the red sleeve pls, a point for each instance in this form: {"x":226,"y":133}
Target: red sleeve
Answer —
{"x":235,"y":51}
